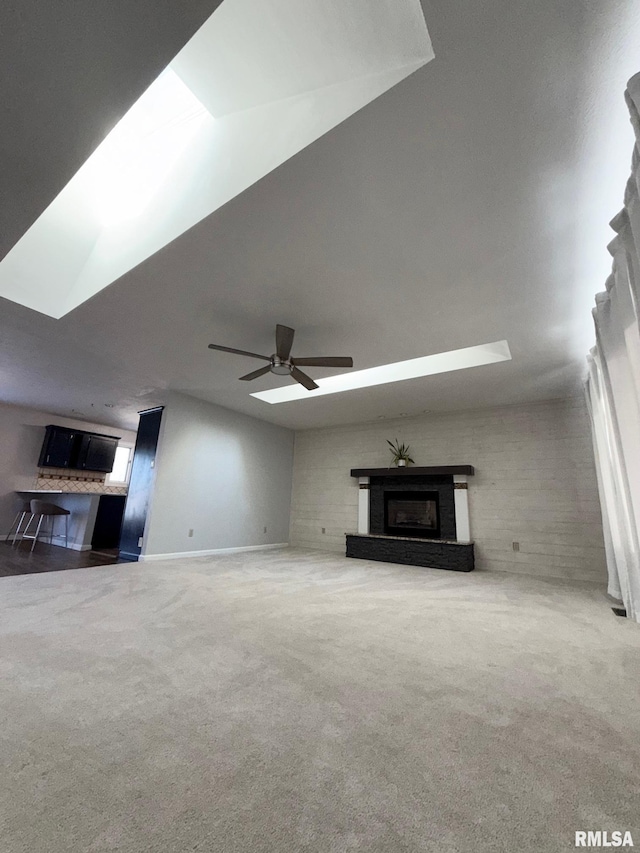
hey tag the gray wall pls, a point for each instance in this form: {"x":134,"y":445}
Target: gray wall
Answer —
{"x":21,"y":437}
{"x":225,"y":475}
{"x":535,"y":483}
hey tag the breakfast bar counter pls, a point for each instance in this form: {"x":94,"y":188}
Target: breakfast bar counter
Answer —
{"x":83,"y":507}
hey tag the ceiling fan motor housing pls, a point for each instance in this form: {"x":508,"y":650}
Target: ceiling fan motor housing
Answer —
{"x":280,"y":367}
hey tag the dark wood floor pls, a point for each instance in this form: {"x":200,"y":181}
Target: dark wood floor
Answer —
{"x":18,"y":560}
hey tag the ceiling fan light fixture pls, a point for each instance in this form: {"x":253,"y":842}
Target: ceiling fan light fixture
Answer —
{"x":280,"y":367}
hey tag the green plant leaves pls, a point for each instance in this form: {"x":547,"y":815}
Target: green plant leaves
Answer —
{"x":399,"y":451}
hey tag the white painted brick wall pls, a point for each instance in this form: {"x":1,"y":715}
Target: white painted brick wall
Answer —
{"x":534,"y":484}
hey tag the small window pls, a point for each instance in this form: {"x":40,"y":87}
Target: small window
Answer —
{"x":121,"y":465}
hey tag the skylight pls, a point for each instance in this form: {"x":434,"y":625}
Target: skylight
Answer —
{"x":129,"y":168}
{"x":258,"y":82}
{"x":427,"y":365}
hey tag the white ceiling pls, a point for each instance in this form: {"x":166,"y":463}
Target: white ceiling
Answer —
{"x":236,"y":102}
{"x":468,"y":204}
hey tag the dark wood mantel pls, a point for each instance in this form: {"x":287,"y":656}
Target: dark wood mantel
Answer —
{"x":409,"y":471}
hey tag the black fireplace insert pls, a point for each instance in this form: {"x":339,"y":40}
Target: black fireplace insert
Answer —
{"x":412,"y":514}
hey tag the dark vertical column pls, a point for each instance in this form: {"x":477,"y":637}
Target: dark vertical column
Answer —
{"x":140,"y":484}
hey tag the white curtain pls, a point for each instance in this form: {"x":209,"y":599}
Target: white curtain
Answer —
{"x":613,"y":389}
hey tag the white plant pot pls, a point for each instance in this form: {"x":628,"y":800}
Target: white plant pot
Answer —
{"x":401,"y":463}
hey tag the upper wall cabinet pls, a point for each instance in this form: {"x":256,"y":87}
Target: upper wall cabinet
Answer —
{"x":57,"y":449}
{"x":77,"y":449}
{"x":97,"y":453}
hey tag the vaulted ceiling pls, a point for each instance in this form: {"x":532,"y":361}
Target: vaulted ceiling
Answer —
{"x":467,"y":204}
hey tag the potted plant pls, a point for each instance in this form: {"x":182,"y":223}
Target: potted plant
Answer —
{"x":400,"y":453}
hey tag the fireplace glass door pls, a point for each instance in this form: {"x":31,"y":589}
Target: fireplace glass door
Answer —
{"x":412,"y":514}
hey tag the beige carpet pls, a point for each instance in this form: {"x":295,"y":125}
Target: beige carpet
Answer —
{"x":296,"y":701}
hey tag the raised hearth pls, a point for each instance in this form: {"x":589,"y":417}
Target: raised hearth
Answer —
{"x":430,"y":553}
{"x":416,"y":516}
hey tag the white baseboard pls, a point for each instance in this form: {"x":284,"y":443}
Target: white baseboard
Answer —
{"x":178,"y":555}
{"x":73,"y":546}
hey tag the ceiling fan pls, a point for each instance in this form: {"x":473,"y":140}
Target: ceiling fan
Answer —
{"x":282,"y":364}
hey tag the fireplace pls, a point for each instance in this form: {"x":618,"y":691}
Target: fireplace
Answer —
{"x":412,"y":513}
{"x":414,"y":516}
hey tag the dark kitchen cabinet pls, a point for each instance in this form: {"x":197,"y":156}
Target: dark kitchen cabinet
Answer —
{"x":106,"y":531}
{"x":96,"y":453}
{"x":77,"y":449}
{"x":58,"y":447}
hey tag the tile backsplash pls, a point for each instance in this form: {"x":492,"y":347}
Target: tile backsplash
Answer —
{"x":76,"y":481}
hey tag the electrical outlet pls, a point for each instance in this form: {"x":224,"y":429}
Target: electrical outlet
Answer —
{"x":190,"y":532}
{"x":324,"y":529}
{"x":516,"y":546}
{"x":140,"y":542}
{"x":265,"y":530}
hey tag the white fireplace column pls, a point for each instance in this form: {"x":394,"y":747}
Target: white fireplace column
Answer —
{"x":461,"y":503}
{"x":363,"y":504}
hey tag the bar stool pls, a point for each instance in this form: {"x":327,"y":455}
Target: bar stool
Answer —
{"x":21,"y":515}
{"x":41,"y":510}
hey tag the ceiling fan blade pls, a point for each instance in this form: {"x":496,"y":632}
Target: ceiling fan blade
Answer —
{"x":322,"y":361}
{"x":303,"y":379}
{"x":240,"y":352}
{"x":284,"y":341}
{"x":254,"y":375}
